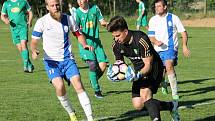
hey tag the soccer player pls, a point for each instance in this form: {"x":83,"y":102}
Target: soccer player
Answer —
{"x":142,"y":15}
{"x":136,"y":46}
{"x":87,"y":17}
{"x":59,"y":62}
{"x":163,"y":29}
{"x":13,"y":13}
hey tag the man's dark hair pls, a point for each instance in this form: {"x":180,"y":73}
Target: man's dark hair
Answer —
{"x":117,"y":23}
{"x":156,"y":1}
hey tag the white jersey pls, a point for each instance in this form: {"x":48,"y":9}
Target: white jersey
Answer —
{"x":55,"y":35}
{"x":165,"y":29}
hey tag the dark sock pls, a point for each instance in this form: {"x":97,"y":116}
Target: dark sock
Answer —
{"x":153,"y":108}
{"x":165,"y":105}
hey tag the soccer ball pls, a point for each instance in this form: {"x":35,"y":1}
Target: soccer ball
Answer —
{"x":119,"y":69}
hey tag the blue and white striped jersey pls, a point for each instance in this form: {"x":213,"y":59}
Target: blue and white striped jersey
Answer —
{"x":55,"y":35}
{"x":165,"y":29}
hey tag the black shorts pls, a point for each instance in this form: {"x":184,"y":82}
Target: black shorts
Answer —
{"x":152,"y":82}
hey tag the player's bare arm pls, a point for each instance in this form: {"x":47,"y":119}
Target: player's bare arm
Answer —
{"x":30,"y":17}
{"x":185,"y":48}
{"x":148,"y":65}
{"x":33,"y":46}
{"x":82,"y":40}
{"x":5,"y":18}
{"x":155,"y":41}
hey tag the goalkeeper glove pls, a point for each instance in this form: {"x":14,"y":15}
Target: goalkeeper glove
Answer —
{"x":131,"y":76}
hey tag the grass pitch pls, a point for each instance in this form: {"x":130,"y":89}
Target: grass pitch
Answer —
{"x":29,"y":97}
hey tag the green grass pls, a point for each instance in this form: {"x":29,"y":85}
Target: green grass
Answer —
{"x":29,"y":97}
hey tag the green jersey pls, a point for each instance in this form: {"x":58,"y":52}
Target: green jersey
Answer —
{"x":16,"y":11}
{"x":141,"y":8}
{"x":88,"y":21}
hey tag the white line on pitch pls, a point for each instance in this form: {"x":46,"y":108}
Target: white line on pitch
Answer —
{"x":144,"y":112}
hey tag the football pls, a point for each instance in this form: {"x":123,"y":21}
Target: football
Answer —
{"x":119,"y":69}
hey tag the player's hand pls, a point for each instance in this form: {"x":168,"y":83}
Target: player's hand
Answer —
{"x":35,"y":54}
{"x":158,"y":43}
{"x":87,"y":47}
{"x":130,"y":74}
{"x":186,"y":52}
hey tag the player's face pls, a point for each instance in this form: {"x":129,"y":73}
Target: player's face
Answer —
{"x":54,"y":8}
{"x":160,"y":9}
{"x":120,"y":36}
{"x":83,"y":3}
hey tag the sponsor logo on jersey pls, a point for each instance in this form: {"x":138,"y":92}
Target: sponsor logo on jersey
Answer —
{"x":135,"y":51}
{"x":89,"y":24}
{"x":66,"y":29}
{"x":15,"y":10}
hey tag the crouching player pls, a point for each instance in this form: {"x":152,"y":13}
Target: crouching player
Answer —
{"x":148,"y":67}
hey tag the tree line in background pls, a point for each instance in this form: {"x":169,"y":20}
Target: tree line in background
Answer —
{"x":129,"y":7}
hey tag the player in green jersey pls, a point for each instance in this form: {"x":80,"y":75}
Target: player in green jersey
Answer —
{"x":142,"y":15}
{"x":17,"y":14}
{"x":87,"y":17}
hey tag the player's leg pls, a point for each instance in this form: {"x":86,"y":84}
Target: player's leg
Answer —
{"x":138,"y":24}
{"x":73,"y":75}
{"x":172,"y":78}
{"x":102,"y":60}
{"x":93,"y":77}
{"x":90,"y":58}
{"x":23,"y":33}
{"x":54,"y":74}
{"x":164,"y":84}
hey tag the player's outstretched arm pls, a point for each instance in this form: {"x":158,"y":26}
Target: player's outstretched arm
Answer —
{"x":155,"y":41}
{"x":33,"y":46}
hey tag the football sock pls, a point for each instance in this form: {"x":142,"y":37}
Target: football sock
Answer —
{"x":66,"y":104}
{"x":163,"y":105}
{"x":94,"y":81}
{"x":99,"y":73}
{"x":153,"y":109}
{"x":173,"y":84}
{"x":93,"y":75}
{"x":25,"y":57}
{"x":85,"y":103}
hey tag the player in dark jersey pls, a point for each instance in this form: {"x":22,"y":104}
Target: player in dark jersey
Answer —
{"x":148,"y":67}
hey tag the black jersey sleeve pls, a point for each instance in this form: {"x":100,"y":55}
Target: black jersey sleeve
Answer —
{"x":117,"y":51}
{"x":146,"y":48}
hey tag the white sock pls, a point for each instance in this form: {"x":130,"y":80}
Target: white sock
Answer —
{"x":173,"y":84}
{"x":66,"y":104}
{"x":85,"y":103}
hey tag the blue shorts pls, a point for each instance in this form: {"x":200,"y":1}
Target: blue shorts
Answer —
{"x":64,"y":69}
{"x":169,"y":55}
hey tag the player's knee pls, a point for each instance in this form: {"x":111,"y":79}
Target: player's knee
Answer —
{"x":92,"y":65}
{"x":138,"y":106}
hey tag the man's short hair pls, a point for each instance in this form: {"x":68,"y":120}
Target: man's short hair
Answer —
{"x":117,"y":23}
{"x":156,"y":1}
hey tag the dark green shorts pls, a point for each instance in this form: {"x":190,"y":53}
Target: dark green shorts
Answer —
{"x":19,"y":33}
{"x":98,"y":54}
{"x":143,"y":21}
